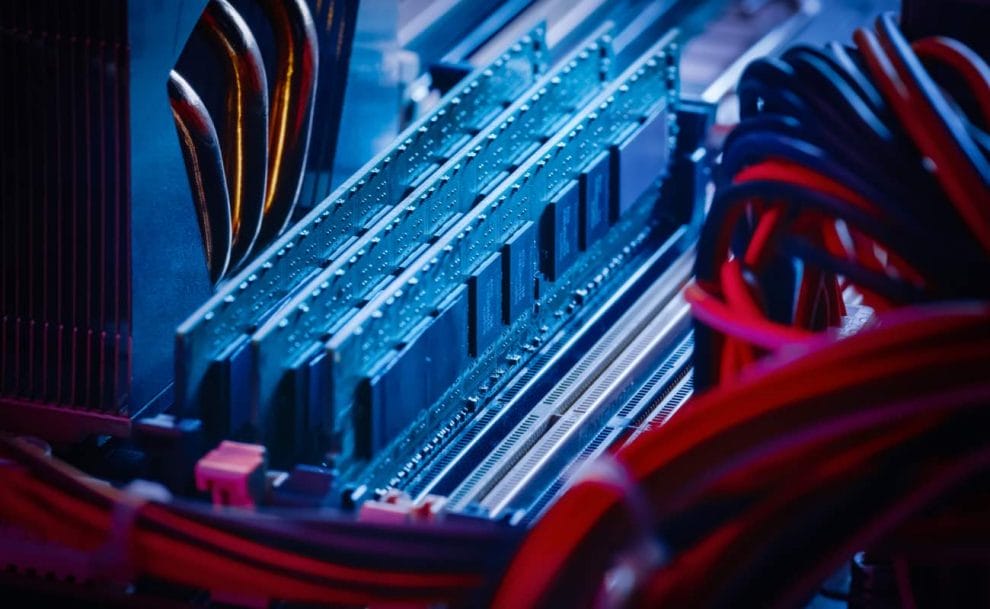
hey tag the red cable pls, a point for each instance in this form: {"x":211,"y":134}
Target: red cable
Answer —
{"x":789,"y":172}
{"x":766,"y":228}
{"x":683,"y":580}
{"x":961,"y":183}
{"x":557,"y":535}
{"x":245,"y":547}
{"x":769,"y":224}
{"x":756,"y":331}
{"x":737,"y":291}
{"x":880,"y":352}
{"x":571,"y":519}
{"x":962,"y":60}
{"x":736,"y":354}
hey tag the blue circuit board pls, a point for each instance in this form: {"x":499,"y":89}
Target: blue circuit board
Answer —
{"x":396,"y":237}
{"x":646,"y":94}
{"x":410,"y":297}
{"x":243,"y":302}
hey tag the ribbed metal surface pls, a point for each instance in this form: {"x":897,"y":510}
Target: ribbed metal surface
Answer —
{"x":64,"y":231}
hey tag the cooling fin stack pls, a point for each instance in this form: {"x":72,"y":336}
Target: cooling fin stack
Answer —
{"x":95,"y":259}
{"x":65,"y":279}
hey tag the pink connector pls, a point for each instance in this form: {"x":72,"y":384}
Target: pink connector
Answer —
{"x":397,"y":507}
{"x":233,"y":473}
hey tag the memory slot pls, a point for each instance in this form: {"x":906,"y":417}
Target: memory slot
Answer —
{"x":633,"y":120}
{"x":662,"y":408}
{"x":437,"y":444}
{"x":395,"y":236}
{"x":243,"y":303}
{"x":445,"y":441}
{"x":657,"y":400}
{"x":440,"y":471}
{"x":569,"y":425}
{"x":589,"y":393}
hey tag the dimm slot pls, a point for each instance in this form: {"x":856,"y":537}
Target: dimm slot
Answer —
{"x":594,"y":408}
{"x":499,"y":411}
{"x":242,"y":302}
{"x":640,"y":250}
{"x":665,"y":382}
{"x":637,"y":330}
{"x":351,"y":277}
{"x":645,"y":90}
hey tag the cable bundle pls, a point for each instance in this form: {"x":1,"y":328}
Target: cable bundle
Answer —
{"x":865,"y":168}
{"x":853,"y":172}
{"x":760,"y":489}
{"x":298,"y":555}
